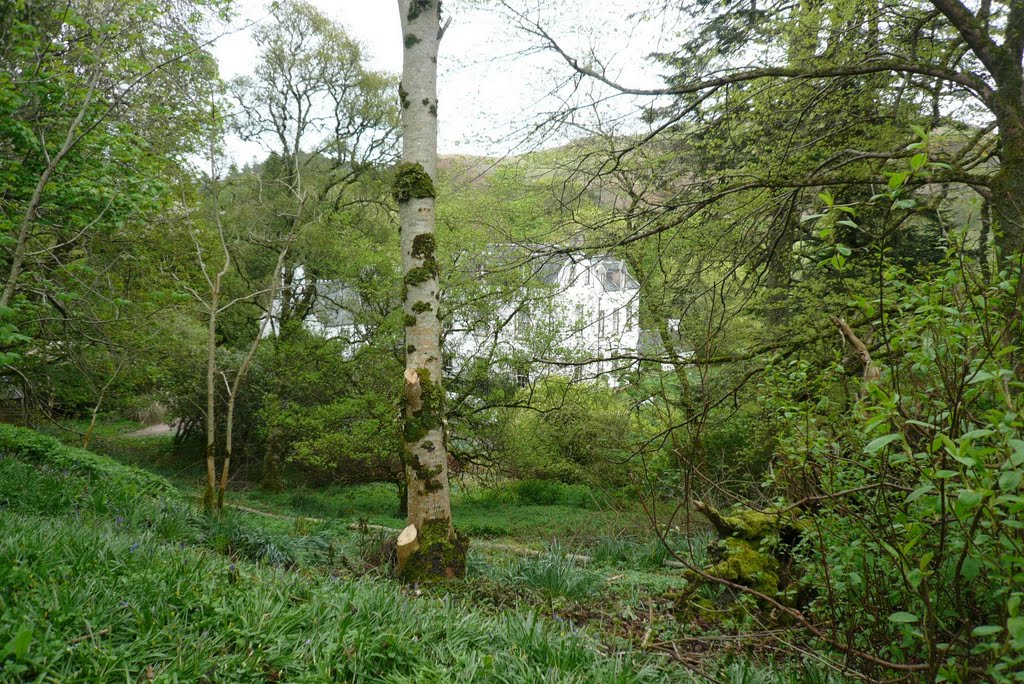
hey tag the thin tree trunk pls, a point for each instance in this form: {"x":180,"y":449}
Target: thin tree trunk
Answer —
{"x":210,"y":497}
{"x":439,"y":550}
{"x":99,"y":401}
{"x":242,"y":370}
{"x":983,"y":239}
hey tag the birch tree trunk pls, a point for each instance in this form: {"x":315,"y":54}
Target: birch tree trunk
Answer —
{"x":433,"y":548}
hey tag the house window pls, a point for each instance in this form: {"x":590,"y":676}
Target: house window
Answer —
{"x":600,"y":322}
{"x":629,"y":315}
{"x":522,"y":377}
{"x":613,"y":278}
{"x":522,"y":323}
{"x":586,"y":275}
{"x":615,"y":322}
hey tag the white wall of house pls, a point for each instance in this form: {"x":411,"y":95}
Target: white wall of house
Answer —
{"x":586,"y":316}
{"x":331,"y":315}
{"x":590,"y":316}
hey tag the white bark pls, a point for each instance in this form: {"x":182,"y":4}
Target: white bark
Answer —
{"x":426,"y":452}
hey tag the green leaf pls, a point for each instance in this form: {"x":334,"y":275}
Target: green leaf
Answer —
{"x":1009,"y":480}
{"x":980,"y":376}
{"x":1017,"y":455}
{"x":903,"y":617}
{"x":968,"y":461}
{"x":879,"y":442}
{"x":919,"y":492}
{"x":968,"y":498}
{"x":915,"y":577}
{"x":918,"y":160}
{"x":986,"y":630}
{"x":18,"y":645}
{"x":896,"y":180}
{"x":971,"y":568}
{"x":1015,"y":626}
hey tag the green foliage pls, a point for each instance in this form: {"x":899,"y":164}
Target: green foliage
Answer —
{"x":40,"y":476}
{"x":31,"y":447}
{"x":552,"y":493}
{"x":553,"y":574}
{"x":570,"y":432}
{"x":914,"y":547}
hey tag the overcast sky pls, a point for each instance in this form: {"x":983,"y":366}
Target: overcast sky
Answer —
{"x":490,"y":94}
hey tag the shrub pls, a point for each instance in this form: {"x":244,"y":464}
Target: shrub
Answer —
{"x":31,"y":447}
{"x":552,"y":493}
{"x":913,"y":544}
{"x":572,"y":433}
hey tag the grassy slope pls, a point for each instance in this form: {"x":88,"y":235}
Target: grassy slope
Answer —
{"x":103,"y":604}
{"x":103,"y":578}
{"x":107,"y":573}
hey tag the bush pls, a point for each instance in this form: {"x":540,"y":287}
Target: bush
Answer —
{"x":573,"y":433}
{"x":913,"y":545}
{"x":552,"y":493}
{"x":31,"y":447}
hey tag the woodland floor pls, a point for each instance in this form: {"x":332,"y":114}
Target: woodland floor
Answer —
{"x":524,"y":560}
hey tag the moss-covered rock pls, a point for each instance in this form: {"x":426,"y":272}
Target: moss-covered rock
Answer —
{"x":745,"y":523}
{"x":743,"y":564}
{"x":754,"y":549}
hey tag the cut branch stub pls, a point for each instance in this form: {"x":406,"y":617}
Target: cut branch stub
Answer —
{"x":413,"y":390}
{"x":408,"y":544}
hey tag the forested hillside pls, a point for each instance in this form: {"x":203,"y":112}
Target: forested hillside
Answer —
{"x":716,"y":377}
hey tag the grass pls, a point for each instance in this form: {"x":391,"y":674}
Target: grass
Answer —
{"x":109,"y":573}
{"x":479,"y":512}
{"x":114,"y":579}
{"x":554,"y":574}
{"x":138,"y":605}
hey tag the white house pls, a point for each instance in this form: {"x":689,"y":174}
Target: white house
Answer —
{"x":332,"y":312}
{"x":577,"y":316}
{"x":582,"y":320}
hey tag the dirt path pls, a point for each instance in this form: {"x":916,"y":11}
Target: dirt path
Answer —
{"x":152,"y":431}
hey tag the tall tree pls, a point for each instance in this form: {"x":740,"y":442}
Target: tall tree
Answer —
{"x":429,"y":548}
{"x":329,"y":124}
